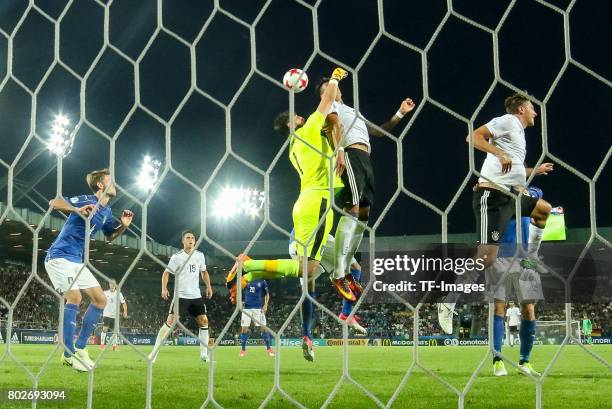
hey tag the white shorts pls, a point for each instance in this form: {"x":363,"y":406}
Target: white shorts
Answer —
{"x":63,"y":274}
{"x":257,"y":314}
{"x":521,"y":283}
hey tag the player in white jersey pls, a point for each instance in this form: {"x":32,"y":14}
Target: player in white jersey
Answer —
{"x":110,"y":313}
{"x":188,"y":266}
{"x":503,"y":172}
{"x":514,"y":320}
{"x":351,"y":137}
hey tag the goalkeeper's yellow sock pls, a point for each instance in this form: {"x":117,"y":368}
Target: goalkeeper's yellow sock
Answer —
{"x":270,"y":269}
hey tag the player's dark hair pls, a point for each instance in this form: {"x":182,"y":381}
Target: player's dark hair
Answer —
{"x":320,"y":84}
{"x":184,"y":232}
{"x":514,"y":101}
{"x":94,"y":177}
{"x":280,"y":123}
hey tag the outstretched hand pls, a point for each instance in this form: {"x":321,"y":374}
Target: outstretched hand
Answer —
{"x":406,"y":106}
{"x":126,"y":218}
{"x":544,"y":169}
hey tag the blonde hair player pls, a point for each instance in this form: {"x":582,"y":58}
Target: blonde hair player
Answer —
{"x":65,"y":261}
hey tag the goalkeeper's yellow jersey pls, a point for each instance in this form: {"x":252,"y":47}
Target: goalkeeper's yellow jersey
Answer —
{"x":313,"y":167}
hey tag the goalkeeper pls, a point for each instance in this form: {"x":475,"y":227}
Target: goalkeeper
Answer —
{"x":312,"y":212}
{"x":587,"y":328}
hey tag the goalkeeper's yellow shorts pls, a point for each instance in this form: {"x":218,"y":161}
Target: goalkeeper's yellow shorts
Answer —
{"x":308,"y":210}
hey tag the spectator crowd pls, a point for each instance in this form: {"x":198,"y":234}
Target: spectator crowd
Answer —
{"x":38,"y":307}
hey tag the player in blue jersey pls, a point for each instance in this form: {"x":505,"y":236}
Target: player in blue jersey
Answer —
{"x":510,"y":275}
{"x":65,"y":262}
{"x":255,"y":305}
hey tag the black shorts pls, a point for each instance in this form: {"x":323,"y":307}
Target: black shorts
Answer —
{"x":513,"y":329}
{"x":108,"y":322}
{"x":358,"y":179}
{"x":190,"y":306}
{"x":493,"y":210}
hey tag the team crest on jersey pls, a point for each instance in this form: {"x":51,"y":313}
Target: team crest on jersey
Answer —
{"x":495,"y":235}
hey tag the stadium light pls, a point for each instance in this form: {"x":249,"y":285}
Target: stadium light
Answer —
{"x":149,"y":173}
{"x":61,"y":138}
{"x":238,"y":201}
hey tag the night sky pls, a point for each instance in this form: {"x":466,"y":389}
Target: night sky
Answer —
{"x":434,"y":152}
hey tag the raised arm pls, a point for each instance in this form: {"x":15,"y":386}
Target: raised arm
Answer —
{"x":406,"y":106}
{"x":126,"y":220}
{"x":329,"y":96}
{"x":65,"y":207}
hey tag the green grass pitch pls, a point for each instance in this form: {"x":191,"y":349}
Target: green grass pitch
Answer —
{"x":180,"y":379}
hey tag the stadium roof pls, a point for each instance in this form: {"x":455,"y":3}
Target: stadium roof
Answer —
{"x":116,"y":257}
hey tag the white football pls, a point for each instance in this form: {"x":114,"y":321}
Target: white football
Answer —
{"x":295,"y":79}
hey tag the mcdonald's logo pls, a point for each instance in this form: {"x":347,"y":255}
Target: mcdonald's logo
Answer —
{"x":386,"y":342}
{"x":432,"y":342}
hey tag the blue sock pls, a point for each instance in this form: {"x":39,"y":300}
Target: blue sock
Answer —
{"x":90,"y":320}
{"x":266,"y":337}
{"x":347,"y":306}
{"x":356,"y":274}
{"x":307,"y":315}
{"x":243,"y":339}
{"x":70,"y":314}
{"x":311,"y":319}
{"x":527,"y":336}
{"x":498,"y":334}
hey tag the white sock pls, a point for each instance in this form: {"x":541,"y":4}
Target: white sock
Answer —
{"x":203,"y":335}
{"x":344,"y":235}
{"x":162,"y":334}
{"x":102,"y":338}
{"x":355,"y":242}
{"x":315,"y":274}
{"x":535,"y":239}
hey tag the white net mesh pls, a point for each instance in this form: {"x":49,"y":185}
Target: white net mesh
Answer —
{"x":53,"y":25}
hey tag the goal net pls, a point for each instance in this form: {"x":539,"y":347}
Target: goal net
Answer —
{"x":553,"y":332}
